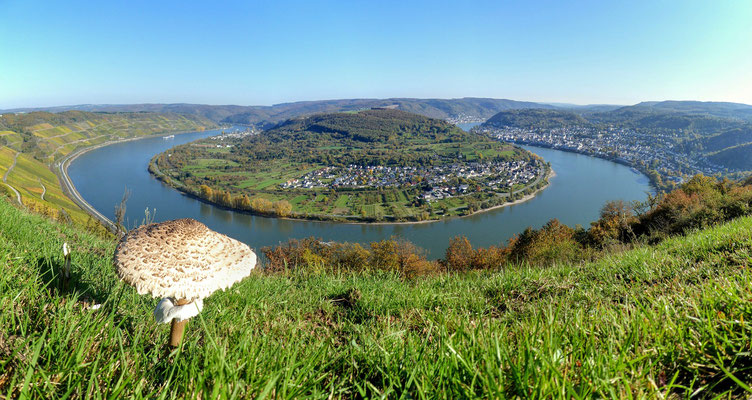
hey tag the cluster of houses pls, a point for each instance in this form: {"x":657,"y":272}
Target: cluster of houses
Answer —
{"x":655,"y":150}
{"x":464,"y":119}
{"x":231,"y":135}
{"x":497,"y":175}
{"x":234,"y":133}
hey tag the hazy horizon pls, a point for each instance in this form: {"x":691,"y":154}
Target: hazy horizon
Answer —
{"x":553,"y":103}
{"x":253,"y":53}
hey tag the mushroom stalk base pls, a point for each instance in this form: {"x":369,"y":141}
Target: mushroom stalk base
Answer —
{"x":177,"y":328}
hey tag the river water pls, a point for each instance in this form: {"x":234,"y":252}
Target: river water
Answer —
{"x":575,"y":196}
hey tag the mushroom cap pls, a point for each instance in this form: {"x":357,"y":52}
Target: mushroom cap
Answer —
{"x":182,"y":259}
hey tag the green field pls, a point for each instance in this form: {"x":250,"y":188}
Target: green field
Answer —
{"x":665,"y":321}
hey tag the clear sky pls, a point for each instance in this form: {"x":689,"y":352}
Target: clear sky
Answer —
{"x":266,"y":52}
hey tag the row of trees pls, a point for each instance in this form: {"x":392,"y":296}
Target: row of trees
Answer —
{"x":258,"y":205}
{"x":700,"y":202}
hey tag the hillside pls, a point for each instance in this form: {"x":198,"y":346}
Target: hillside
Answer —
{"x":668,"y":141}
{"x":537,"y":118}
{"x":717,"y":109}
{"x":371,"y":165}
{"x":656,"y":321}
{"x":32,"y":145}
{"x":266,"y":116}
{"x":738,"y":157}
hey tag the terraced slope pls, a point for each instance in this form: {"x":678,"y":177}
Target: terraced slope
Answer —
{"x":32,"y":144}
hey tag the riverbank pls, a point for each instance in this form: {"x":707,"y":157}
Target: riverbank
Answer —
{"x":549,"y":175}
{"x":344,"y":219}
{"x":69,"y":189}
{"x":581,"y":186}
{"x":653,"y":183}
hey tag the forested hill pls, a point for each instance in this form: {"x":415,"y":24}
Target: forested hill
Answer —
{"x":369,"y":137}
{"x":380,"y":126}
{"x":536,"y":118}
{"x":716,"y":132}
{"x":372,"y":165}
{"x":717,"y":109}
{"x":266,"y":116}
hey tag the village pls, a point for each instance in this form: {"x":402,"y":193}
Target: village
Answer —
{"x":653,"y":151}
{"x":441,"y":181}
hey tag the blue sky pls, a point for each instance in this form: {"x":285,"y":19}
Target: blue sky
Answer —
{"x":248,"y":53}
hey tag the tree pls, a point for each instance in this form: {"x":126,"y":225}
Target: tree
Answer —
{"x":261,"y":205}
{"x":282,"y":208}
{"x":243,"y":202}
{"x":206,"y":192}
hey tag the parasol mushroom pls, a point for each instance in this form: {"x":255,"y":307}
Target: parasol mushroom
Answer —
{"x":184,"y":261}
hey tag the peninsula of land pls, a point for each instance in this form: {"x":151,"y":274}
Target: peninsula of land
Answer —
{"x":377,"y":165}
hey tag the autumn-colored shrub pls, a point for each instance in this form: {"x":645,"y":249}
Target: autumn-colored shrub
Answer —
{"x":554,"y":242}
{"x":699,"y":202}
{"x":313,"y":255}
{"x":613,"y":226}
{"x":461,"y":256}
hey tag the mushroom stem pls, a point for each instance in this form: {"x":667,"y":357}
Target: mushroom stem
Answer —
{"x":66,"y":269}
{"x":177,"y":328}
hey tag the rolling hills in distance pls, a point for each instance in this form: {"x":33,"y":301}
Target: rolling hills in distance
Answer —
{"x":265,"y":116}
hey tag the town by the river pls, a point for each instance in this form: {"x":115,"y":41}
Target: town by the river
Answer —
{"x":575,"y":195}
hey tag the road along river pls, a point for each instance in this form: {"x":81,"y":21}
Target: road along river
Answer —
{"x":575,"y":196}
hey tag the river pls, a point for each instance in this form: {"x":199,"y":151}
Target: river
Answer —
{"x":575,"y":196}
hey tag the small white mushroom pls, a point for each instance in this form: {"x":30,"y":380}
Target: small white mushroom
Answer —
{"x":67,"y":267}
{"x":184,"y":261}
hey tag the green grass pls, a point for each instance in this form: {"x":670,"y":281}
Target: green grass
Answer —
{"x":646,"y":323}
{"x":341,"y":201}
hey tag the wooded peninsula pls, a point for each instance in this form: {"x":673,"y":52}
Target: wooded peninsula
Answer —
{"x":377,"y":165}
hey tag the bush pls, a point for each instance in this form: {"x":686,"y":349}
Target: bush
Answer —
{"x":461,"y":256}
{"x":314,"y":255}
{"x":700,"y":202}
{"x":553,"y":243}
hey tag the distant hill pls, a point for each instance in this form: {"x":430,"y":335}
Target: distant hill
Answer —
{"x":536,"y":118}
{"x":586,"y":108}
{"x":732,"y":137}
{"x":738,"y":157}
{"x":717,"y":109}
{"x":267,"y":116}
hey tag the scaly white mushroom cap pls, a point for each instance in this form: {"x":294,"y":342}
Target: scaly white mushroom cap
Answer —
{"x":182,"y":259}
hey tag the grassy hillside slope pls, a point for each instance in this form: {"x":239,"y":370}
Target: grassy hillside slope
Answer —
{"x":38,"y":140}
{"x":648,"y":322}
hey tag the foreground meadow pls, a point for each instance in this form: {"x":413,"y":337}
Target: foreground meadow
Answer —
{"x":672,"y":318}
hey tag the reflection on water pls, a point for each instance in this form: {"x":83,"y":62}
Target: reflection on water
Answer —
{"x":581,"y":186}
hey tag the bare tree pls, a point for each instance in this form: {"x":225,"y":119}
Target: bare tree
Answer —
{"x":120,"y":214}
